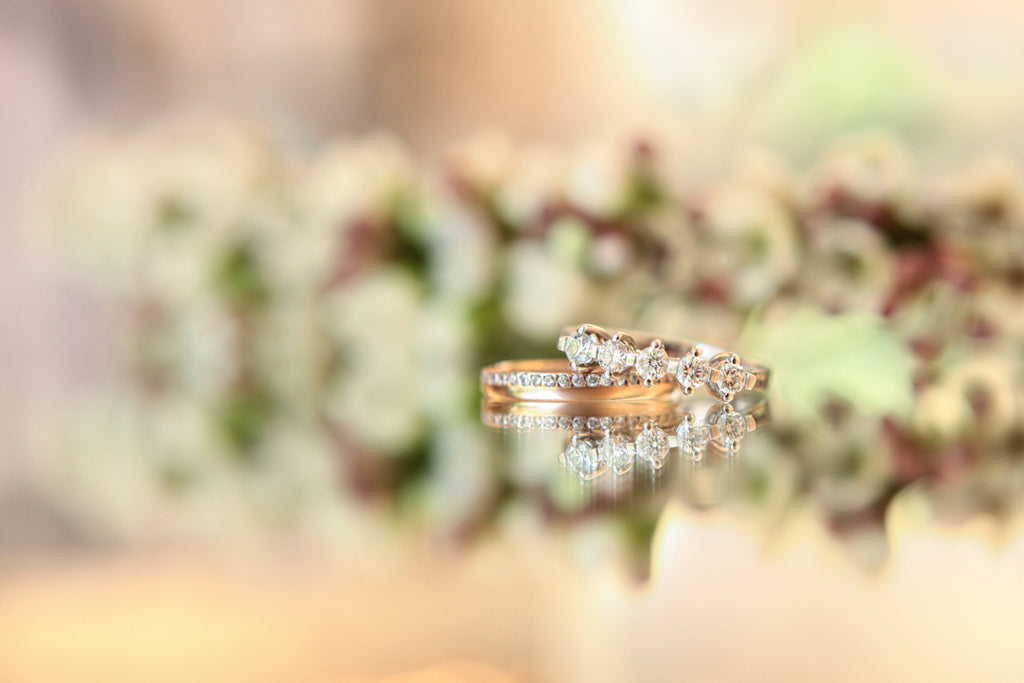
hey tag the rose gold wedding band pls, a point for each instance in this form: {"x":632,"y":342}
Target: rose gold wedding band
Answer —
{"x":554,"y":380}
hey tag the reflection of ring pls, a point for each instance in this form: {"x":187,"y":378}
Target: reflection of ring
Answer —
{"x":614,"y":435}
{"x":554,"y":380}
{"x":577,"y":416}
{"x":652,"y":360}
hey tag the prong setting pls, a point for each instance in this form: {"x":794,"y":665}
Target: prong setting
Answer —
{"x":727,"y":377}
{"x":620,"y":360}
{"x":692,"y":371}
{"x":651,"y":364}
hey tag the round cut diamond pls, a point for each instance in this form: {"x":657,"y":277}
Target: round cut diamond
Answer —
{"x":693,"y":438}
{"x":693,"y":371}
{"x":613,"y":356}
{"x":614,"y":452}
{"x":727,"y":378}
{"x":651,"y":363}
{"x":580,"y":349}
{"x":652,"y":445}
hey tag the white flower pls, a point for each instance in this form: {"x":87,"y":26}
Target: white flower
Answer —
{"x":542,"y":293}
{"x":375,"y":324}
{"x":462,"y":478}
{"x":873,"y":169}
{"x":292,"y":351}
{"x":849,"y":266}
{"x":598,"y":178}
{"x":351,"y":180}
{"x":463,"y":253}
{"x":534,"y":181}
{"x":751,"y":243}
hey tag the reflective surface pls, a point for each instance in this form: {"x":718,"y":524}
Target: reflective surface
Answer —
{"x":783,"y":540}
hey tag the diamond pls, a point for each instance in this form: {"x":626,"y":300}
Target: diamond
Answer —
{"x":613,"y":356}
{"x":692,"y":372}
{"x":579,"y":381}
{"x":652,"y":445}
{"x":593,"y":380}
{"x":563,"y":381}
{"x":549,"y":380}
{"x":727,"y":377}
{"x":581,"y":349}
{"x":693,"y":437}
{"x":614,"y":452}
{"x":651,"y":363}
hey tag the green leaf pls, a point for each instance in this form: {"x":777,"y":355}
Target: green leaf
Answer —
{"x":816,"y":357}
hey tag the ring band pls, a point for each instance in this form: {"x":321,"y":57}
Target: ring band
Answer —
{"x":554,"y":380}
{"x":627,"y":353}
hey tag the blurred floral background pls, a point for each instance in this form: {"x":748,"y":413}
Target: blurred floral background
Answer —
{"x":256,"y":255}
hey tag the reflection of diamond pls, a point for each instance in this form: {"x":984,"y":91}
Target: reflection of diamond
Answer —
{"x":614,"y":451}
{"x":580,"y":349}
{"x":583,"y":458}
{"x":614,"y":356}
{"x":732,"y":427}
{"x":651,"y":363}
{"x":692,"y":372}
{"x":652,"y":445}
{"x":693,"y":438}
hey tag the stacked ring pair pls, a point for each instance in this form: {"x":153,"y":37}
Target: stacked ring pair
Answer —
{"x":607,"y":365}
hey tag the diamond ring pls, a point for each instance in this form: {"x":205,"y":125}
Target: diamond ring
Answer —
{"x":555,"y":380}
{"x":625,"y":353}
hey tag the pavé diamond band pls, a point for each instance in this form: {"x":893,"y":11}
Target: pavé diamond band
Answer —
{"x":615,"y":354}
{"x":555,"y":380}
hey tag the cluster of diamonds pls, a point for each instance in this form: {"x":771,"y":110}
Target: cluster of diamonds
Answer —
{"x":590,"y":455}
{"x":586,"y":350}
